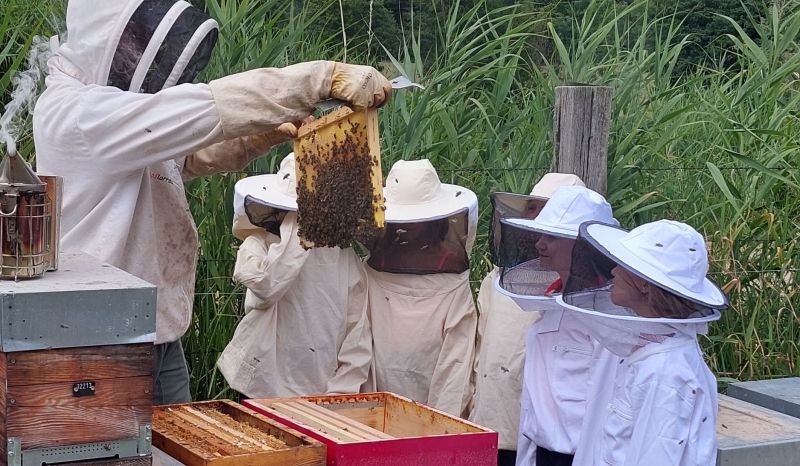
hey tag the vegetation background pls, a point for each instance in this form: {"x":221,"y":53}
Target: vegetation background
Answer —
{"x":704,"y":128}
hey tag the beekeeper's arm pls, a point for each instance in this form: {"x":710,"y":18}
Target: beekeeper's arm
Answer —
{"x":235,"y":154}
{"x":123,"y":131}
{"x":451,"y":387}
{"x":355,"y":355}
{"x":675,"y":426}
{"x":269,"y":271}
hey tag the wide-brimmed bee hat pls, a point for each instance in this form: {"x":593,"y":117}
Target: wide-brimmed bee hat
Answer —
{"x":258,"y":200}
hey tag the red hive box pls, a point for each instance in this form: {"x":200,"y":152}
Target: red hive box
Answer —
{"x":383,"y":429}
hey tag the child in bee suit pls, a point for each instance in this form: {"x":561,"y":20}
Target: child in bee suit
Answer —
{"x":421,"y":308}
{"x":305,"y":329}
{"x":662,"y":410}
{"x":563,"y":364}
{"x":502,"y":325}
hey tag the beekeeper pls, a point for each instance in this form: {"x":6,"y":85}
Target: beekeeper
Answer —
{"x":502,"y":325}
{"x":564,"y":365}
{"x":305,"y":329}
{"x":421,"y":308}
{"x":662,"y":410}
{"x":120,"y":121}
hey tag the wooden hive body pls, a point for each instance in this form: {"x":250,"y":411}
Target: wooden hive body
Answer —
{"x":77,"y":358}
{"x":373,"y":429}
{"x":232,"y":436}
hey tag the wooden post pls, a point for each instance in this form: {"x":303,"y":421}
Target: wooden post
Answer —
{"x":581,"y":119}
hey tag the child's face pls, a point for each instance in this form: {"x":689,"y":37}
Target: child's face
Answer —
{"x":630,"y":291}
{"x":555,"y":253}
{"x":532,"y":208}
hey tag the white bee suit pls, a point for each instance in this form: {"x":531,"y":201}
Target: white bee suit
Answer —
{"x":662,"y":411}
{"x":424,"y":323}
{"x":423,"y":329}
{"x":125,"y":131}
{"x":306,"y":330}
{"x":564,"y":364}
{"x":502,"y":327}
{"x":564,"y":367}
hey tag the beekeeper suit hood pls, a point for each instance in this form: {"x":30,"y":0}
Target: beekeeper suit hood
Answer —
{"x":421,"y":307}
{"x":306,"y":329}
{"x":135,"y":45}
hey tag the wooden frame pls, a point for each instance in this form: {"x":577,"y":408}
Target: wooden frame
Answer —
{"x":314,"y":146}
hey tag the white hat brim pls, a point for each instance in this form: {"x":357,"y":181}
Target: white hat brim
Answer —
{"x":265,"y":188}
{"x":542,"y":228}
{"x":451,"y":199}
{"x":607,"y":239}
{"x":715,"y":315}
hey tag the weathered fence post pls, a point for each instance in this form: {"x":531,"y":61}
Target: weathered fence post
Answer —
{"x":581,"y":120}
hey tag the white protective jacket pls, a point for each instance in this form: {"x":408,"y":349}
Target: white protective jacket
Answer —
{"x":564,"y":367}
{"x":124,"y":155}
{"x":423,"y":329}
{"x":502,"y":327}
{"x":662,"y":411}
{"x":305,"y":331}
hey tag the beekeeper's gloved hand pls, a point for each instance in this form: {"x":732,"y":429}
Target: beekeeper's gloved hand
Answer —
{"x":259,"y":100}
{"x":361,"y":86}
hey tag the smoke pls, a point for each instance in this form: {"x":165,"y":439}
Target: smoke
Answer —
{"x":26,"y":85}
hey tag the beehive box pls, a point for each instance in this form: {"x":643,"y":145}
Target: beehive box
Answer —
{"x":224,"y":433}
{"x":781,"y":395}
{"x":749,"y":435}
{"x":383,"y":429}
{"x":339,"y":179}
{"x":76,"y":357}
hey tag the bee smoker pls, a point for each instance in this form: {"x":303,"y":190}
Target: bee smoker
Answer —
{"x":28,"y":246}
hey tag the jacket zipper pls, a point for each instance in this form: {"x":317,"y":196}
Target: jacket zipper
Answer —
{"x":567,"y":349}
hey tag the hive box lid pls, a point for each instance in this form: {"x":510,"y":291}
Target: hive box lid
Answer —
{"x":84,"y":303}
{"x":781,"y":395}
{"x":749,"y":435}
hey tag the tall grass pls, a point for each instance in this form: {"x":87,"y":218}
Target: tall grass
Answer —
{"x":715,"y":148}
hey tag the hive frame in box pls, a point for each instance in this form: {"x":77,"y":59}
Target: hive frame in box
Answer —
{"x":461,"y":444}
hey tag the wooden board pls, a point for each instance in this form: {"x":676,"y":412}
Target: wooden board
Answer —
{"x":364,"y":409}
{"x":328,"y":421}
{"x":38,"y":404}
{"x":406,"y":418}
{"x":232,"y":446}
{"x":70,"y":365}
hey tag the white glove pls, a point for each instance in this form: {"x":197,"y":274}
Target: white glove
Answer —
{"x":361,"y":86}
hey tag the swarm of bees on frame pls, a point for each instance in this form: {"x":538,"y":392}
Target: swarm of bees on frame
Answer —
{"x":341,"y":206}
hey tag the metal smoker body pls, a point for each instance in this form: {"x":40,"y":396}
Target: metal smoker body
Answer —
{"x":27,"y":221}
